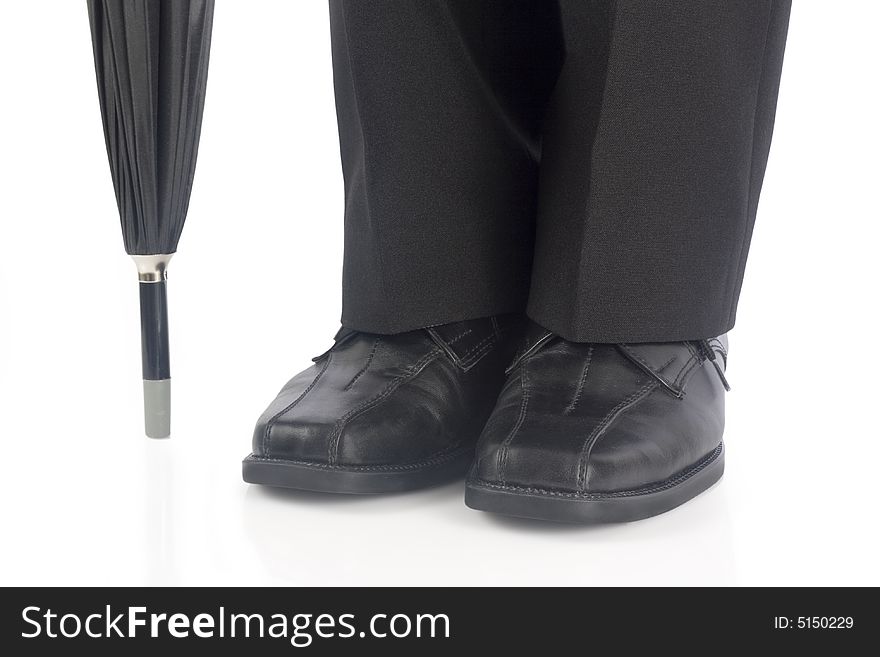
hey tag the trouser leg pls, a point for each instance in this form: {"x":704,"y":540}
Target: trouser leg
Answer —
{"x":654,"y":149}
{"x":439,"y":107}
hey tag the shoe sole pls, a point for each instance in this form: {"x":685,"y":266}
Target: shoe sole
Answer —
{"x":363,"y":480}
{"x":596,"y":508}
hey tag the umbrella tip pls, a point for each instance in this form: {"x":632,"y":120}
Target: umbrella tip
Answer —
{"x":157,"y":408}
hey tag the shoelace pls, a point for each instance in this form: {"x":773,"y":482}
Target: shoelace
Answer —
{"x":708,"y":353}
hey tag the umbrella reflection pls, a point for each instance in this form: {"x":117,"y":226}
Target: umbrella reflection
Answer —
{"x":159,"y":514}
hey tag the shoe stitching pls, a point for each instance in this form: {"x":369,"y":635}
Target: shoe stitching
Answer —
{"x":669,"y":483}
{"x":528,"y":350}
{"x":366,"y":366}
{"x":580,"y":388}
{"x":439,"y":458}
{"x":504,"y":452}
{"x":603,"y":426}
{"x":467,"y":367}
{"x":654,"y":371}
{"x":671,"y":386}
{"x":482,"y":343}
{"x":394,"y":384}
{"x":267,"y":438}
{"x":471,"y":357}
{"x":667,"y":363}
{"x":684,"y":375}
{"x":459,"y":337}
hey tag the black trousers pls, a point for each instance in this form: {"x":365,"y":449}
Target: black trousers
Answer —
{"x":595,"y":164}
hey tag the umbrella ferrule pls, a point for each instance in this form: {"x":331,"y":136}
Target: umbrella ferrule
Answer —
{"x":152,"y":268}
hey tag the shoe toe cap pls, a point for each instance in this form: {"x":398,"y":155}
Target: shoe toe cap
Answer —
{"x":559,"y":453}
{"x":291,"y":437}
{"x":526,"y":458}
{"x":406,"y":425}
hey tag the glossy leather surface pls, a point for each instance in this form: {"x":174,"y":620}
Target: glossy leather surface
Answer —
{"x":391,"y":400}
{"x":597,"y":418}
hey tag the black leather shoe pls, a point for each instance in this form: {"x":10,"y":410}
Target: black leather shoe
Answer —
{"x":383,"y":413}
{"x":593,"y":433}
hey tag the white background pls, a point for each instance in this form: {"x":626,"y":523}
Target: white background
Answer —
{"x":86,"y":499}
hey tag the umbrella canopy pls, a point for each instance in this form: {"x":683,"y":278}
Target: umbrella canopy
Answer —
{"x":151,"y":61}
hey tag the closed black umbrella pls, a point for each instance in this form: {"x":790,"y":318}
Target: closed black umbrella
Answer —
{"x":151,"y":61}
